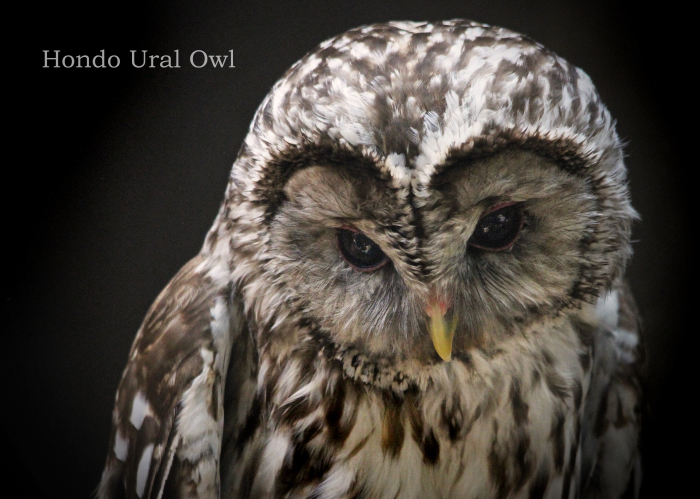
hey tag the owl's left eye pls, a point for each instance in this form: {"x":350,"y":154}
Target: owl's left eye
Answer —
{"x":360,"y":251}
{"x":498,"y":229}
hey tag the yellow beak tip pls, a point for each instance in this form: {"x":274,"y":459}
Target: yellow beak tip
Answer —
{"x":442,"y":335}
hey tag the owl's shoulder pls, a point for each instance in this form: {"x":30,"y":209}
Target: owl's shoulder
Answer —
{"x":611,"y":424}
{"x":168,"y":405}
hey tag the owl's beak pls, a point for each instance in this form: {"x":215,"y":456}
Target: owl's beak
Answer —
{"x":442,"y":332}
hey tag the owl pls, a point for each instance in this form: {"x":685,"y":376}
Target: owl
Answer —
{"x":414,"y":288}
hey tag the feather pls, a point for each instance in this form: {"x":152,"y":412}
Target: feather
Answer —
{"x":168,"y":413}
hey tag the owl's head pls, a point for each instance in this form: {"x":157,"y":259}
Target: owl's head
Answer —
{"x":409,"y":191}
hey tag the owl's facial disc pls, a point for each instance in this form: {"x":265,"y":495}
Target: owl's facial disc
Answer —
{"x":501,"y":239}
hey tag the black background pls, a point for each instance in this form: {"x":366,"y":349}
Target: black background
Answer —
{"x":113,"y":176}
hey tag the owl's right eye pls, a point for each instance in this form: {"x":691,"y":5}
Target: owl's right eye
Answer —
{"x":498,"y":229}
{"x":360,"y":251}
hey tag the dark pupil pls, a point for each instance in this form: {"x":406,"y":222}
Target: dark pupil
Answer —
{"x":359,"y":250}
{"x":498,"y":229}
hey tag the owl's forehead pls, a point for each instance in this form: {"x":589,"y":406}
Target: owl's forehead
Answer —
{"x":410,"y":94}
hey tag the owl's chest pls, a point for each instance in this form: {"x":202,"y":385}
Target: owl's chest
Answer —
{"x":505,"y":426}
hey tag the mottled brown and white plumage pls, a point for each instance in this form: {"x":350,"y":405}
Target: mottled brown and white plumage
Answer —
{"x":402,"y":183}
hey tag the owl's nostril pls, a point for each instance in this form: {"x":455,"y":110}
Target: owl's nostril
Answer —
{"x":438,"y":305}
{"x":436,"y":309}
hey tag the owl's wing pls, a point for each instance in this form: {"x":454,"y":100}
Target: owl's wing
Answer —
{"x":611,"y":461}
{"x":168,"y":415}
